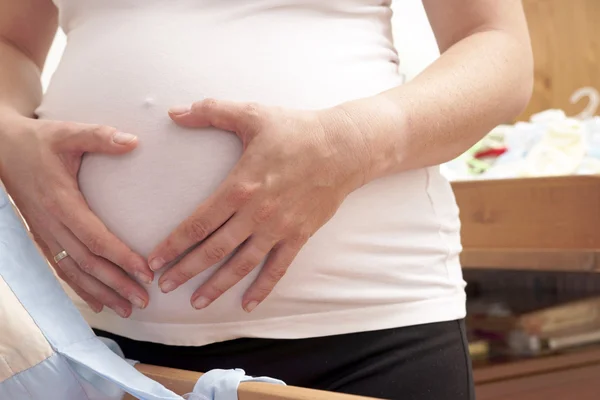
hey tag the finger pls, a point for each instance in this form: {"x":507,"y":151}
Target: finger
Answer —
{"x":91,"y":285}
{"x":227,"y":115}
{"x":103,"y":270}
{"x":73,"y":212}
{"x":241,"y":264}
{"x":94,"y":304}
{"x":271,"y":273}
{"x":207,"y":218}
{"x":94,"y":139}
{"x":222,"y":243}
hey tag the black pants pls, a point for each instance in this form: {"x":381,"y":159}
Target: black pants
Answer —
{"x":424,"y":362}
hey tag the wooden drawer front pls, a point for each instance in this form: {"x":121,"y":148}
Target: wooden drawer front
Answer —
{"x":577,"y":384}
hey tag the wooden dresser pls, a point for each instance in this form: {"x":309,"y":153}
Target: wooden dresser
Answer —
{"x":540,"y":224}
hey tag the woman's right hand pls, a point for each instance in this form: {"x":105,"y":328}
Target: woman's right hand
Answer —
{"x":39,"y":162}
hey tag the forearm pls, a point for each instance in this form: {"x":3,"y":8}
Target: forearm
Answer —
{"x":20,"y":93}
{"x":27,"y":29}
{"x":480,"y":82}
{"x":20,"y":85}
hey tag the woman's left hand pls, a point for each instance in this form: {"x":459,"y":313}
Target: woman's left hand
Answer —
{"x":296,"y":169}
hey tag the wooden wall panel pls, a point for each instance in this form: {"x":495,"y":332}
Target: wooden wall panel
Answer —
{"x":565,"y":36}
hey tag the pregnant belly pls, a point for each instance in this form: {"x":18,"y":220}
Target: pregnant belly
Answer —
{"x":144,"y":195}
{"x":131,"y":76}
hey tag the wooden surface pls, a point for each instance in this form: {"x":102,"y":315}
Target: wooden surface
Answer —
{"x":182,"y":382}
{"x":565,"y":36}
{"x":536,"y":223}
{"x":577,"y":384}
{"x":566,"y":376}
{"x":536,"y":366}
{"x":535,"y":379}
{"x":532,"y":259}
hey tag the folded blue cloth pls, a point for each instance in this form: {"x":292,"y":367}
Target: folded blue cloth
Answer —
{"x":74,"y":364}
{"x":220,"y":384}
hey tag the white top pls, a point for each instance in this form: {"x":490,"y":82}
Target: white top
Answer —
{"x":388,"y":258}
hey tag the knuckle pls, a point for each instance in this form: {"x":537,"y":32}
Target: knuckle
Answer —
{"x":286,"y":223}
{"x":251,"y":111}
{"x":206,"y":105}
{"x":95,"y":245}
{"x":241,"y":194}
{"x":244,"y":268}
{"x":265,"y":212}
{"x":252,"y":115}
{"x":198,"y":229}
{"x":87,"y":264}
{"x":53,"y":199}
{"x":101,"y":132}
{"x":275,"y":274}
{"x":299,"y":239}
{"x":214,"y":254}
{"x":72,"y":276}
{"x":182,"y":275}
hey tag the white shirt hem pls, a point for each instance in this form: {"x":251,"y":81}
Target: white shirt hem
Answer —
{"x":292,"y":327}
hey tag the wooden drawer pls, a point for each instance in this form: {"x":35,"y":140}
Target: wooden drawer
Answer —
{"x":536,"y":223}
{"x":578,"y":383}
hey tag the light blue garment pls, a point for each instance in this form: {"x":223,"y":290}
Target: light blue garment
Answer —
{"x":221,"y":384}
{"x":82,"y":366}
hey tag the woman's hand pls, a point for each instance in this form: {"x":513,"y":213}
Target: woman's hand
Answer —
{"x":39,"y":168}
{"x":296,"y":169}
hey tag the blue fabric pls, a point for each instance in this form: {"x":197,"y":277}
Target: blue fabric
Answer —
{"x":84,"y":367}
{"x":220,"y":384}
{"x":40,"y":382}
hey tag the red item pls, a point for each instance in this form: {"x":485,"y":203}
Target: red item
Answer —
{"x":491,"y":152}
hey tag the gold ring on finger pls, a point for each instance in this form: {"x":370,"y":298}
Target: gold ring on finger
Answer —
{"x":61,"y":256}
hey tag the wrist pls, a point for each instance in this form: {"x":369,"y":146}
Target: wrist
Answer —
{"x":346,"y":138}
{"x":379,"y":125}
{"x":9,"y":120}
{"x":11,"y":126}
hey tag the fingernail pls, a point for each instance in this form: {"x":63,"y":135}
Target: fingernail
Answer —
{"x":96,"y":309}
{"x":251,"y":306}
{"x":123,"y":312}
{"x":168,"y":286}
{"x":137,"y":301}
{"x":123,"y":138}
{"x":200,"y":303}
{"x":178,"y":110}
{"x":156,"y":263}
{"x":147,"y":279}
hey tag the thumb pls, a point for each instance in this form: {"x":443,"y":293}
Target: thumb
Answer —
{"x":97,"y":139}
{"x":227,"y":115}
